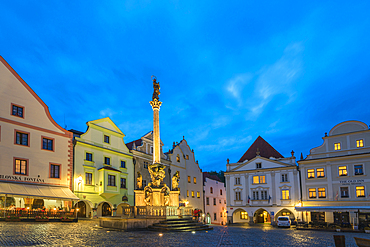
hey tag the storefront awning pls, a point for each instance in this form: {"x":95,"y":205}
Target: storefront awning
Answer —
{"x":333,"y":208}
{"x":39,"y":191}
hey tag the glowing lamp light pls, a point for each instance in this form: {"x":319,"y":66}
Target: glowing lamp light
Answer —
{"x":55,"y":208}
{"x":299,"y":204}
{"x":186,"y":203}
{"x":203,"y":215}
{"x":78,"y":209}
{"x":28,"y":208}
{"x":79,"y":179}
{"x":193,"y":232}
{"x":161,"y":234}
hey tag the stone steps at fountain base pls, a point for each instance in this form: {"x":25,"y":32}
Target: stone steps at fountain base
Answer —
{"x":179,"y":225}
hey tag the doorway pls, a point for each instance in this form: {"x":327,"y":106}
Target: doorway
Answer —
{"x":106,"y":209}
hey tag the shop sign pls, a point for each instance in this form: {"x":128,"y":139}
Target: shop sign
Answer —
{"x":21,"y":178}
{"x":352,"y":181}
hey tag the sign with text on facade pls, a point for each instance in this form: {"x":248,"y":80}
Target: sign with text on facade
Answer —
{"x":352,"y":181}
{"x":21,"y":178}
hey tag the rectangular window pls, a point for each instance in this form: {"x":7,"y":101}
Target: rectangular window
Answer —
{"x":47,"y":144}
{"x":187,"y":193}
{"x":20,"y":167}
{"x":237,"y":196}
{"x":342,"y":170}
{"x":123,"y":183}
{"x":123,"y":164}
{"x":106,"y":160}
{"x":224,"y":201}
{"x":255,"y":195}
{"x":17,"y":111}
{"x":106,"y":139}
{"x":243,"y":215}
{"x":21,"y":138}
{"x":215,"y":216}
{"x":322,"y":193}
{"x":320,"y":172}
{"x":88,"y":179}
{"x":145,"y":164}
{"x":219,"y":201}
{"x":284,"y":177}
{"x":311,"y":173}
{"x":192,"y":194}
{"x":207,"y":200}
{"x":262,"y":179}
{"x":220,"y":192}
{"x":214,"y":201}
{"x":189,"y":179}
{"x":359,"y":170}
{"x":360,"y":191}
{"x":258,"y":165}
{"x":89,"y":156}
{"x":264,"y":195}
{"x":198,"y":194}
{"x":211,"y":190}
{"x":54,"y":171}
{"x":360,"y":143}
{"x":312,"y":193}
{"x":285,"y":194}
{"x":111,"y":180}
{"x":337,"y":146}
{"x":237,"y":180}
{"x":344,"y":192}
{"x":221,"y":214}
{"x":256,"y":179}
{"x":195,"y":180}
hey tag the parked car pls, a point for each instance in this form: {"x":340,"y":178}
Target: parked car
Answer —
{"x":283,"y":221}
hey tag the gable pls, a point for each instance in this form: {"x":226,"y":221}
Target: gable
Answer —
{"x":108,"y":125}
{"x":265,"y":164}
{"x":263,"y":148}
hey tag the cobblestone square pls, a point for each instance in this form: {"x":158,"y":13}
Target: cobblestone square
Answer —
{"x":88,"y":233}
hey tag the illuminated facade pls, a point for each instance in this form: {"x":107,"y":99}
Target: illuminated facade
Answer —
{"x":214,"y":200}
{"x":190,"y":183}
{"x":336,"y":177}
{"x":262,"y":185}
{"x":103,"y":170}
{"x":35,"y":152}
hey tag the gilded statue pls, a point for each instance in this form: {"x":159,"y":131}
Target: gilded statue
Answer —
{"x":157,"y":175}
{"x":139,"y":181}
{"x":156,"y":88}
{"x":175,"y":181}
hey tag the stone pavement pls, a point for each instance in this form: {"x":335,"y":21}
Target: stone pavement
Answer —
{"x":88,"y":233}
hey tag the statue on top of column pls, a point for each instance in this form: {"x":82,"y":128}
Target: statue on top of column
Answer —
{"x":156,"y":88}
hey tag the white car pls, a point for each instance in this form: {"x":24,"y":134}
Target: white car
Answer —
{"x":283,"y":221}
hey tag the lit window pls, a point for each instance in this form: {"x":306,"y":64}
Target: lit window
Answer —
{"x":123,"y":164}
{"x":244,"y":215}
{"x":47,"y":144}
{"x":21,"y":138}
{"x":207,"y":199}
{"x":195,"y":180}
{"x":88,"y":179}
{"x":187,"y":193}
{"x":20,"y":167}
{"x":192,"y":194}
{"x":89,"y":156}
{"x":322,"y":193}
{"x":221,"y":214}
{"x":312,"y":193}
{"x":107,"y":160}
{"x":359,"y":170}
{"x":360,"y":191}
{"x":237,"y":196}
{"x":285,"y":194}
{"x":198,"y":194}
{"x":284,"y":177}
{"x":214,"y":201}
{"x":17,"y":111}
{"x":189,"y":179}
{"x":320,"y":172}
{"x":178,"y":158}
{"x":262,"y":179}
{"x":311,"y":173}
{"x":187,"y":157}
{"x":55,"y":171}
{"x":337,"y":146}
{"x":258,"y":165}
{"x":344,"y":192}
{"x":360,"y":143}
{"x":111,"y":180}
{"x":342,"y":170}
{"x":211,"y":190}
{"x":256,"y":180}
{"x":123,"y":183}
{"x":106,"y":139}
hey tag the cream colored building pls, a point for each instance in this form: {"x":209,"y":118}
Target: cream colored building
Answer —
{"x":214,"y":200}
{"x":336,"y":177}
{"x":35,"y":152}
{"x":103,"y":170}
{"x":262,"y":185}
{"x":190,"y":183}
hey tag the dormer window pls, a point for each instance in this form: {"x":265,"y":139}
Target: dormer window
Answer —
{"x":106,"y":139}
{"x":258,"y":165}
{"x":178,"y":158}
{"x":337,"y":146}
{"x":17,"y":110}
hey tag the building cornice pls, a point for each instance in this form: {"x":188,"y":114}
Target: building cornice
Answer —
{"x":344,"y":157}
{"x":82,"y":143}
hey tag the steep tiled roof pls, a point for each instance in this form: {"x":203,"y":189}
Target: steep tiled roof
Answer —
{"x":130,"y":144}
{"x":265,"y":149}
{"x":207,"y":175}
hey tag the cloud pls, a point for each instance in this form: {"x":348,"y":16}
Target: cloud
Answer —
{"x":236,"y":85}
{"x":225,"y":144}
{"x":107,"y":112}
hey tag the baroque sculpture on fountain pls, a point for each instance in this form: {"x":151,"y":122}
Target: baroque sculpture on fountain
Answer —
{"x":156,"y":193}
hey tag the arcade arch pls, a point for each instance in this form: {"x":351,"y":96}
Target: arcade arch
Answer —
{"x":84,"y":209}
{"x":240,"y":216}
{"x":262,"y":216}
{"x":285,"y":212}
{"x":123,"y":209}
{"x":104,"y":209}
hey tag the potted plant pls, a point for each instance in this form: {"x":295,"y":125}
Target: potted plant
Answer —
{"x":13,"y":218}
{"x":42,"y":218}
{"x":367,"y":229}
{"x":66,"y":219}
{"x":337,"y":228}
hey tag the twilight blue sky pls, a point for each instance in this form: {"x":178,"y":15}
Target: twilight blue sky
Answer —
{"x":229,"y":70}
